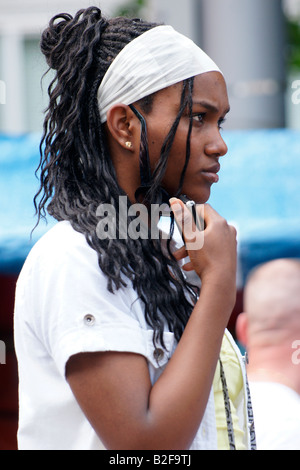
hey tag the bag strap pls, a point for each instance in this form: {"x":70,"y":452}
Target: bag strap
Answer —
{"x":230,"y":429}
{"x":250,"y":411}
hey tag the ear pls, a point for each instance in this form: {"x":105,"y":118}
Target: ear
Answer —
{"x":123,"y":126}
{"x":241,"y":329}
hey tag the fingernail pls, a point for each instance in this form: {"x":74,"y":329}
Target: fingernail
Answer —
{"x":173,"y":200}
{"x":176,"y":207}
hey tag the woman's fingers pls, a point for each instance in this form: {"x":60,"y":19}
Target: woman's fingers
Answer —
{"x":181,"y":253}
{"x":217,"y":256}
{"x":185,"y":221}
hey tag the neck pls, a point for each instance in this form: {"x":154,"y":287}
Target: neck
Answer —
{"x":274,"y":365}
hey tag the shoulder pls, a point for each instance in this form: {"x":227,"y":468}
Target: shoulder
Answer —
{"x":277,"y":416}
{"x":60,"y":239}
{"x":60,"y":265}
{"x":62,"y":296}
{"x":63,"y":271}
{"x":59,"y":248}
{"x":270,"y":396}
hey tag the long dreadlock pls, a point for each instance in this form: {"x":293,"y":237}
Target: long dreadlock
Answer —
{"x":76,"y":171}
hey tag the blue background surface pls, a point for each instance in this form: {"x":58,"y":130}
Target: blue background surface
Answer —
{"x":259,"y":191}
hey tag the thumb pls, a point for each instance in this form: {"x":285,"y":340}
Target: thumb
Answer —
{"x":183,"y":217}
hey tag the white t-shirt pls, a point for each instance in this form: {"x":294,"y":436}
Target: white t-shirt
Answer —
{"x":63,"y":308}
{"x":277,"y":416}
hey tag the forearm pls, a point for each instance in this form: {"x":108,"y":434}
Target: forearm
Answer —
{"x":128,"y":412}
{"x":178,"y":399}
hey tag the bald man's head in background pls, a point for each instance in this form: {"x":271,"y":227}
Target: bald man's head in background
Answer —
{"x":270,"y":324}
{"x":272,"y":301}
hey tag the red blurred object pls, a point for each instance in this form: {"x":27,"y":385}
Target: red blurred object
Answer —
{"x":8,"y":371}
{"x":236,"y":311}
{"x":7,"y":296}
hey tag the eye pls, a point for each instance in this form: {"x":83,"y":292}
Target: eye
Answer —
{"x":199,"y":117}
{"x":220,"y":123}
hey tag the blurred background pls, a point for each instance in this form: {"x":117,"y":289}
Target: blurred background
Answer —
{"x":256,"y":43}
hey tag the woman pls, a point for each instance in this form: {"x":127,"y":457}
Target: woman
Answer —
{"x":116,"y":348}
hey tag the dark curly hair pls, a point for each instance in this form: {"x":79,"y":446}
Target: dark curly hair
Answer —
{"x":76,"y":171}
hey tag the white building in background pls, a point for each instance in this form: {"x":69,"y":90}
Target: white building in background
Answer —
{"x":292,"y":8}
{"x":245,"y":37}
{"x":21,"y":63}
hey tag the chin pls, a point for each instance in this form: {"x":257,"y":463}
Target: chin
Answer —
{"x":197,"y":196}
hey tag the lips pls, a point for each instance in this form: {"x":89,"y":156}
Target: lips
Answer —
{"x":210,"y":173}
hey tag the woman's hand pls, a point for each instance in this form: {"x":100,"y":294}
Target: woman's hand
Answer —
{"x":213,"y":251}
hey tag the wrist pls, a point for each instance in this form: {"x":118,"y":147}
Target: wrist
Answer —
{"x":222,"y":289}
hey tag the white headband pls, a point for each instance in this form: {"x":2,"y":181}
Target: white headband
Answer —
{"x":155,"y":60}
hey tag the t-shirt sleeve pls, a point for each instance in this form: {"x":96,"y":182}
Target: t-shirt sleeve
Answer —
{"x":73,"y":309}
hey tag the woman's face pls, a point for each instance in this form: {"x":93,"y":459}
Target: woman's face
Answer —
{"x":210,"y":106}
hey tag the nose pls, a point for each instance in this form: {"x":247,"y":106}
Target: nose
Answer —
{"x":216,"y":146}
